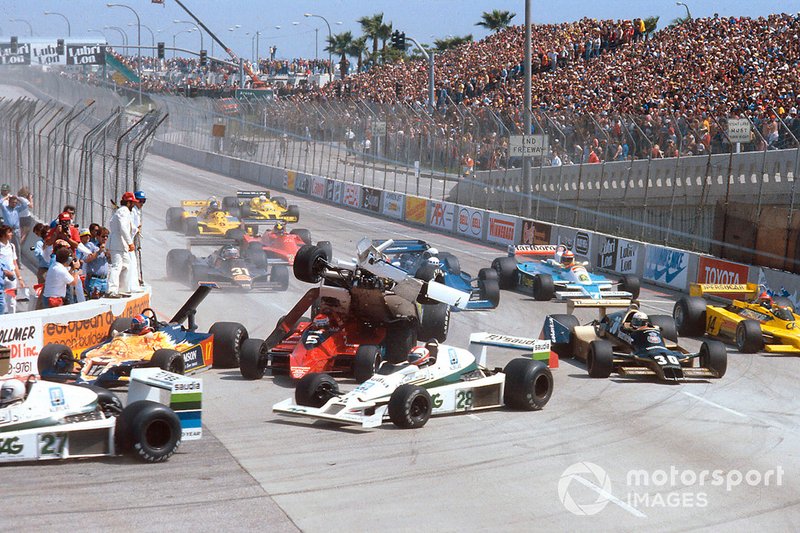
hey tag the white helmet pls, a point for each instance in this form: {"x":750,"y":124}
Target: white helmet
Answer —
{"x":11,"y":392}
{"x":433,"y":260}
{"x":638,"y":319}
{"x":262,"y":198}
{"x":433,"y":251}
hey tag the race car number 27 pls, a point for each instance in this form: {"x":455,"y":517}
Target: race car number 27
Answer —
{"x":52,"y":444}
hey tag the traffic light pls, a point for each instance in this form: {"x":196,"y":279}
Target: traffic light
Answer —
{"x":401,"y":41}
{"x":14,"y":42}
{"x":60,"y":47}
{"x":161,"y":50}
{"x":203,"y":58}
{"x":395,"y":36}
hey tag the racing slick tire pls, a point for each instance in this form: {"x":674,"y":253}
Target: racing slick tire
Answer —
{"x":714,"y":356}
{"x":307,"y":263}
{"x":174,"y":218}
{"x":453,"y":264}
{"x":109,"y":403}
{"x":191,"y":227}
{"x":280,"y":274}
{"x":368,"y":359}
{"x":178,"y":262}
{"x":252,"y":364}
{"x":489,"y":286}
{"x":506,"y":268}
{"x":149,"y":430}
{"x":292,"y":211}
{"x":401,"y":337}
{"x":55,"y":359}
{"x":281,"y":201}
{"x":749,"y":338}
{"x":169,"y":360}
{"x":565,"y":349}
{"x":600,"y":361}
{"x":235,"y":234}
{"x":434,"y":323}
{"x":667,"y":325}
{"x":783,"y":301}
{"x":119,"y":325}
{"x":303,"y":233}
{"x":315,"y":389}
{"x":631,"y":284}
{"x":428,"y":272}
{"x":529,"y":384}
{"x":255,"y":254}
{"x":229,"y":202}
{"x":690,"y":316}
{"x":488,"y":273}
{"x":544,"y":289}
{"x":327,"y":247}
{"x":228,"y":339}
{"x":410,"y":406}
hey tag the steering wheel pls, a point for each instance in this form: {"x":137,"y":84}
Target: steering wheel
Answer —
{"x":151,"y":315}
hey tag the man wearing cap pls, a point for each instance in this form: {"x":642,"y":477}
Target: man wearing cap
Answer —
{"x":5,"y":190}
{"x":136,"y":216}
{"x":11,"y":208}
{"x":120,"y":244}
{"x":64,"y":230}
{"x":97,"y":263}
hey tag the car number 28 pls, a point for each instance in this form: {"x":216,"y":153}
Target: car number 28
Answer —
{"x":665,"y":360}
{"x":464,"y":400}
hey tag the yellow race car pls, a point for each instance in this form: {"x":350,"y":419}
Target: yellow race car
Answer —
{"x":206,"y":217}
{"x":260,"y":206}
{"x":754,"y":319}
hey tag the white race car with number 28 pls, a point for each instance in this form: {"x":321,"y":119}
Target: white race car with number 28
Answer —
{"x":438,"y":379}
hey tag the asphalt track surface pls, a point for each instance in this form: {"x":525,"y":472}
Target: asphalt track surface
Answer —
{"x":493,"y":470}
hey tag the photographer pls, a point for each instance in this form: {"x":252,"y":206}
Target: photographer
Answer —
{"x":64,"y":230}
{"x":96,"y":265}
{"x":63,"y":274}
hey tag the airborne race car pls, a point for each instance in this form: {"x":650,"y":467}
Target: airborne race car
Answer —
{"x":768,"y":323}
{"x":409,"y":394}
{"x":260,"y":206}
{"x":364,"y":313}
{"x":414,"y":256}
{"x":534,"y":267}
{"x":61,"y":421}
{"x":613,"y":345}
{"x":170,"y":346}
{"x":226,"y":267}
{"x":200,"y":217}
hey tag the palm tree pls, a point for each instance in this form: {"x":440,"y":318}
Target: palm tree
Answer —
{"x":650,"y":24}
{"x":451,"y":42}
{"x":496,"y":20}
{"x":384,"y":33}
{"x":358,"y":47}
{"x":371,"y":26}
{"x":339,"y":43}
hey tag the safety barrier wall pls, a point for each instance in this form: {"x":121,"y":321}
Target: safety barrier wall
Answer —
{"x":667,"y":267}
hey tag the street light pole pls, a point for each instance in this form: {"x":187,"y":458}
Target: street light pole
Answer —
{"x":100,"y":32}
{"x":69,"y":28}
{"x":124,"y":36}
{"x":138,"y":43}
{"x":175,"y":35}
{"x":30,"y":28}
{"x":330,"y":38}
{"x":526,"y":162}
{"x":688,"y":14}
{"x":202,"y":47}
{"x":152,"y":35}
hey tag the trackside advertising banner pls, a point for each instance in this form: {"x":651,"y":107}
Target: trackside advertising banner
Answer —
{"x":393,"y":204}
{"x":470,"y":222}
{"x":579,"y":241}
{"x":535,"y":232}
{"x":21,"y":57}
{"x":717,"y":271}
{"x":502,"y":228}
{"x":86,"y":54}
{"x":351,"y":191}
{"x":666,"y":266}
{"x":415,"y":209}
{"x":442,"y":215}
{"x":46,"y":53}
{"x":618,"y":255}
{"x":371,"y":199}
{"x":318,"y":187}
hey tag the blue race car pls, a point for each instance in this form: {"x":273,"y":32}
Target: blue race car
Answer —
{"x":550,"y":271}
{"x":422,"y":261}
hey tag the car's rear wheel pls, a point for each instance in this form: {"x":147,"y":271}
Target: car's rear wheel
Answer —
{"x":229,"y":202}
{"x":368,"y":359}
{"x":292,"y":212}
{"x":631,"y":284}
{"x":749,"y":338}
{"x":304,"y":234}
{"x":236,"y":234}
{"x":191,"y":227}
{"x":506,"y":268}
{"x":714,"y":356}
{"x":489,"y":285}
{"x":252,"y":362}
{"x":544,"y":289}
{"x":690,"y":316}
{"x":281,"y":201}
{"x":55,"y":359}
{"x":453,"y":264}
{"x":667,"y":326}
{"x":178,"y":262}
{"x":529,"y":384}
{"x":314,"y":390}
{"x":280,"y":274}
{"x":169,"y":360}
{"x":410,"y":406}
{"x":308,"y":263}
{"x":174,"y":218}
{"x":401,"y":337}
{"x":600,"y":361}
{"x":228,"y":339}
{"x":149,"y":430}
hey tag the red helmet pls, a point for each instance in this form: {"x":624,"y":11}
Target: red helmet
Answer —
{"x":420,"y":356}
{"x":765,"y":298}
{"x":128,"y":197}
{"x":567,"y":258}
{"x":64,"y":217}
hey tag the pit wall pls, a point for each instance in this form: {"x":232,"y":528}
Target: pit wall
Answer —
{"x":662,"y":266}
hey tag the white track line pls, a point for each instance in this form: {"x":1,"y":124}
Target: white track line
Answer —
{"x":712,"y":404}
{"x":610,"y":497}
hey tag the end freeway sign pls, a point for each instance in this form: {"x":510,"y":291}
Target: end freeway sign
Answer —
{"x":529,"y":145}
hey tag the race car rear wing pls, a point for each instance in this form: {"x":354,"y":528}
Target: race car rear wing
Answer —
{"x":702,"y":289}
{"x":189,"y":309}
{"x":261,"y":221}
{"x":194,"y":203}
{"x":209,"y":241}
{"x":251,"y":194}
{"x":402,"y":245}
{"x":539,"y":349}
{"x":601,"y":305}
{"x":540,"y":251}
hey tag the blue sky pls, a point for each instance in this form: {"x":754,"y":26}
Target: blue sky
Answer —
{"x":426,"y":20}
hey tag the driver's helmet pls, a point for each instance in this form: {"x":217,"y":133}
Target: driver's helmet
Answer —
{"x":321,"y":321}
{"x":262,"y":198}
{"x":213,"y":205}
{"x":783,"y":312}
{"x":567,"y":258}
{"x":140,"y":325}
{"x":420,"y":356}
{"x":229,"y":251}
{"x":280,"y":227}
{"x":638,"y":320}
{"x":11,"y":392}
{"x":765,"y":299}
{"x":431,"y":254}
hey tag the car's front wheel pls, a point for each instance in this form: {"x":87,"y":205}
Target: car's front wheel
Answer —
{"x":410,"y":406}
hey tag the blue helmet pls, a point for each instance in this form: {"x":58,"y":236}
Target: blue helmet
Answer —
{"x":140,"y":196}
